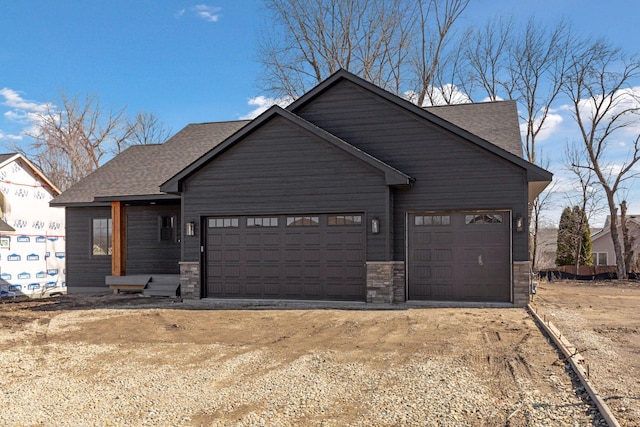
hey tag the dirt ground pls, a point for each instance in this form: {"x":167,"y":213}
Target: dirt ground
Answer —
{"x":602,"y":320}
{"x":202,"y":365}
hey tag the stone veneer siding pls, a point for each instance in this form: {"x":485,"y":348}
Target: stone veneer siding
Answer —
{"x":385,"y":282}
{"x":190,"y":280}
{"x":521,"y":283}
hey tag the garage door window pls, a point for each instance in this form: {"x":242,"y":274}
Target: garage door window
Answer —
{"x":483,"y":219}
{"x":303,"y":221}
{"x":223,"y":222}
{"x":262,"y":222}
{"x":344,"y":220}
{"x":422,"y":220}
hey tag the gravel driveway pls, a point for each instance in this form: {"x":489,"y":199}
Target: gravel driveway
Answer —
{"x":131,"y":361}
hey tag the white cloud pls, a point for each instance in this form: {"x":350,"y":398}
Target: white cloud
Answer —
{"x":262,"y":104}
{"x":621,"y":100}
{"x":24,"y":112}
{"x":447,"y":94}
{"x":13,"y":99}
{"x":208,"y":13}
{"x":551,"y":125}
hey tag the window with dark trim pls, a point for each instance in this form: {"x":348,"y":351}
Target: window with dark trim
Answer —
{"x":262,"y":222}
{"x":223,"y":222}
{"x":427,"y":220}
{"x":101,"y":237}
{"x":344,"y":220}
{"x":303,"y":221}
{"x":167,"y":228}
{"x":483,"y":219}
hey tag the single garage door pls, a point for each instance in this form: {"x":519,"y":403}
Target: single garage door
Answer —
{"x":286,"y":256}
{"x":459,"y":256}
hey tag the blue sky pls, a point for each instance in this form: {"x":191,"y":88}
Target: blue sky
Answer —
{"x":189,"y":61}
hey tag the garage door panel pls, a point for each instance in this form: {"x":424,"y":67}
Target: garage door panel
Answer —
{"x":442,"y":238}
{"x":286,"y":257}
{"x":230,"y":240}
{"x":442,"y":255}
{"x":465,"y":258}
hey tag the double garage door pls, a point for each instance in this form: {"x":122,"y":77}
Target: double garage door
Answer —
{"x":459,"y":256}
{"x":286,"y":256}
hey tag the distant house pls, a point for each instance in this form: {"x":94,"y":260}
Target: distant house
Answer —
{"x":602,"y":243}
{"x":350,"y":193}
{"x":32,"y":234}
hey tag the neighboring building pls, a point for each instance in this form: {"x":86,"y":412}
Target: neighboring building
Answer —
{"x":32,"y":242}
{"x":602,"y":243}
{"x":350,"y":193}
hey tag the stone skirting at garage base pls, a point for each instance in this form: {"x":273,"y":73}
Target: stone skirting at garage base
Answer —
{"x":521,"y":283}
{"x":190,"y":280}
{"x":385,"y":282}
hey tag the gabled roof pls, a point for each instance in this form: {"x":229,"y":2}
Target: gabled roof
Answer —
{"x":4,"y":226}
{"x":534,"y":173}
{"x":392,"y":175}
{"x":137,"y":172}
{"x":606,"y":228}
{"x":7,"y":158}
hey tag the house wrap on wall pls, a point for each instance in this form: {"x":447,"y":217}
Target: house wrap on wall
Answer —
{"x":32,"y":241}
{"x":350,"y":193}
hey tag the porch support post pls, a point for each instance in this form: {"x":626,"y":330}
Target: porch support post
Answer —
{"x":118,"y":239}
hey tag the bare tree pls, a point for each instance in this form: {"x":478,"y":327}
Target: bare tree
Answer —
{"x":588,"y":199}
{"x":73,"y":139}
{"x":486,"y":50}
{"x":146,"y":128}
{"x":435,"y":21}
{"x":604,"y":105}
{"x":539,"y":204}
{"x":538,"y":64}
{"x":395,"y":44}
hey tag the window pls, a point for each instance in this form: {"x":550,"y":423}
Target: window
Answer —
{"x":223,"y":222}
{"x":422,"y":220}
{"x":600,"y":258}
{"x":344,"y":220}
{"x":167,"y":228}
{"x":262,"y":222}
{"x":483,"y":219}
{"x":303,"y":221}
{"x":101,"y":237}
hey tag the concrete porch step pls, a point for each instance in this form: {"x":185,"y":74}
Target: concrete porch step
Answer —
{"x":167,"y":285}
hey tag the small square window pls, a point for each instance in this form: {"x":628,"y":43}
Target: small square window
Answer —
{"x":223,"y":222}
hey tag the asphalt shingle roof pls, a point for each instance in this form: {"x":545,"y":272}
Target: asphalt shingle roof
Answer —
{"x":140,"y":169}
{"x":496,"y":122}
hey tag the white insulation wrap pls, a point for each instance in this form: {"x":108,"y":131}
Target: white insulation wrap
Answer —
{"x":32,"y":258}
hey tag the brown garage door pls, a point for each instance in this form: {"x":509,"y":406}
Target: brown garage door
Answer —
{"x":286,"y":256}
{"x":459,"y":256}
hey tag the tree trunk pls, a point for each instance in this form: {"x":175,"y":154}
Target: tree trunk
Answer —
{"x":627,"y":239}
{"x":613,"y":227}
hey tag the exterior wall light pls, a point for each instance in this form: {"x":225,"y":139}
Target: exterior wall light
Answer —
{"x":375,"y":225}
{"x":191,"y":228}
{"x":519,"y":223}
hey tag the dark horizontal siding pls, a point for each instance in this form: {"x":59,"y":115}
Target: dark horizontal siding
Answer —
{"x":146,"y":254}
{"x":450,"y":173}
{"x":84,"y":271}
{"x":282,"y":169}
